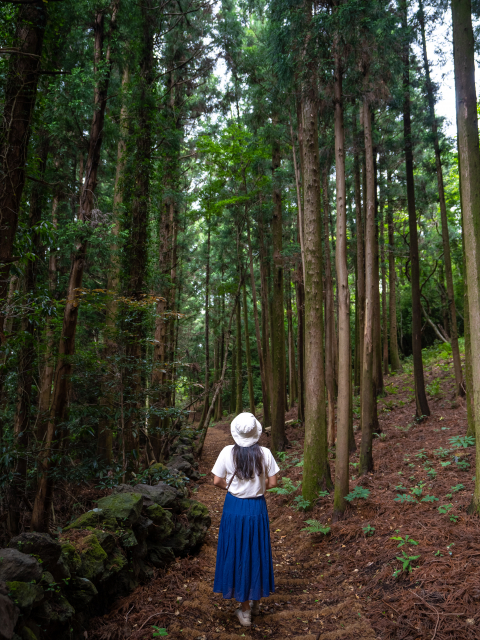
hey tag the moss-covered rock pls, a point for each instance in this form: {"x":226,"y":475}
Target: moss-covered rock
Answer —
{"x":70,"y":557}
{"x":159,"y":555}
{"x":27,"y":634}
{"x":128,"y":539}
{"x":106,"y":540}
{"x":47,"y":579}
{"x":114,"y":565}
{"x":179,"y":539}
{"x":158,"y":467}
{"x":124,"y":507}
{"x":93,"y":558}
{"x":81,"y":592}
{"x":162,"y":518}
{"x":58,"y":611}
{"x":24,"y":594}
{"x":94,"y":519}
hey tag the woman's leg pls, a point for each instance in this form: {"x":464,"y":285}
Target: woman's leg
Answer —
{"x":246,"y":605}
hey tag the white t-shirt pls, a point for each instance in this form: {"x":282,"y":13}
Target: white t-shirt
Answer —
{"x":253,"y":488}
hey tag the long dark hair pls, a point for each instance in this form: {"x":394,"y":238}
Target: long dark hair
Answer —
{"x":248,"y":461}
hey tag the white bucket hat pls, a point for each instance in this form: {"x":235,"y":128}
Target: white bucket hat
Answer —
{"x":246,"y":429}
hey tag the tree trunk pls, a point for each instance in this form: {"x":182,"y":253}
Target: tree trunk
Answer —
{"x":395,"y":363}
{"x":369,"y":392}
{"x":360,"y":301}
{"x":233,"y":385}
{"x":420,"y":395}
{"x":27,"y":353}
{"x":207,"y":333}
{"x":105,"y":427}
{"x":49,"y":360}
{"x":248,"y":356}
{"x":316,"y":469}
{"x":292,"y":374}
{"x":377,"y":327}
{"x":443,"y":215}
{"x":330,"y":334}
{"x":384,"y":284}
{"x":39,"y":520}
{"x":238,"y":360}
{"x":267,"y":354}
{"x":343,"y":294}
{"x":300,"y":295}
{"x":278,"y":322}
{"x":19,"y":101}
{"x":469,"y":169}
{"x":260,"y":351}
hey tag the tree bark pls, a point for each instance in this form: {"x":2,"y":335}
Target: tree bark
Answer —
{"x":248,"y":355}
{"x":316,"y":469}
{"x":39,"y":521}
{"x":384,"y":284}
{"x":420,"y":395}
{"x":395,"y":363}
{"x":207,"y":333}
{"x":457,"y":365}
{"x":292,"y":374}
{"x":330,"y":333}
{"x":27,"y":353}
{"x":360,"y":301}
{"x":265,"y":324}
{"x":19,"y":101}
{"x":300,"y":295}
{"x":369,"y":391}
{"x":343,"y":295}
{"x":238,"y":360}
{"x":469,"y":169}
{"x":278,"y":334}
{"x":261,"y":358}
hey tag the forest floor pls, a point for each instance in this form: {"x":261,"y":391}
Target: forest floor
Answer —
{"x":342,"y":584}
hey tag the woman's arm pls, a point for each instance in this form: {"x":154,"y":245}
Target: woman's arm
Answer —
{"x":271,"y":482}
{"x":219,"y":482}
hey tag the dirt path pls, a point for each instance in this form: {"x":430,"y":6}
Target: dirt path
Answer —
{"x":297,"y":609}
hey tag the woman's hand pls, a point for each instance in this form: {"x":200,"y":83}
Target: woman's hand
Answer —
{"x":219,"y":482}
{"x":271,"y":482}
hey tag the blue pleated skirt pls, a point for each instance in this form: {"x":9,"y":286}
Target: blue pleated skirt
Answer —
{"x":244,"y":568}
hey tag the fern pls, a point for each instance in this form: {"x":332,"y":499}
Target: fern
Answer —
{"x":358,"y":492}
{"x":314,"y":526}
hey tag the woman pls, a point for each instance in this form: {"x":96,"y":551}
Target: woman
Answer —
{"x":245,"y":470}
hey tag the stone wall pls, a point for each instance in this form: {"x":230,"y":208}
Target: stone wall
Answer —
{"x":50,"y":588}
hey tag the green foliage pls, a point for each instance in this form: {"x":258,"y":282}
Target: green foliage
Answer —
{"x":288,"y":487}
{"x":302,"y":504}
{"x":462,"y":441}
{"x":358,"y":492}
{"x":429,"y":499}
{"x":406,"y":540}
{"x":314,"y":526}
{"x":407,"y":566}
{"x":159,"y":632}
{"x":368,"y":530}
{"x":433,"y":388}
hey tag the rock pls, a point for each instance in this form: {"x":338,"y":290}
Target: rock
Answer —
{"x":40,"y":545}
{"x":161,"y":493}
{"x":27,"y":634}
{"x":15,"y":565}
{"x":124,"y":507}
{"x":92,"y":520}
{"x":142,"y":527}
{"x":59,"y":610}
{"x":198,"y":520}
{"x":157,"y":467}
{"x":159,"y":555}
{"x":24,"y":594}
{"x":80,"y":592}
{"x":93,"y":558}
{"x":162,"y":519}
{"x":179,"y":539}
{"x":114,"y":565}
{"x":128,"y":539}
{"x":70,"y":558}
{"x":47,"y":579}
{"x":179,"y":463}
{"x":8,"y":614}
{"x":106,"y":540}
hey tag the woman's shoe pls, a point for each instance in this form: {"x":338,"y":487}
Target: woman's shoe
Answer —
{"x":255,"y":607}
{"x":244,"y":617}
